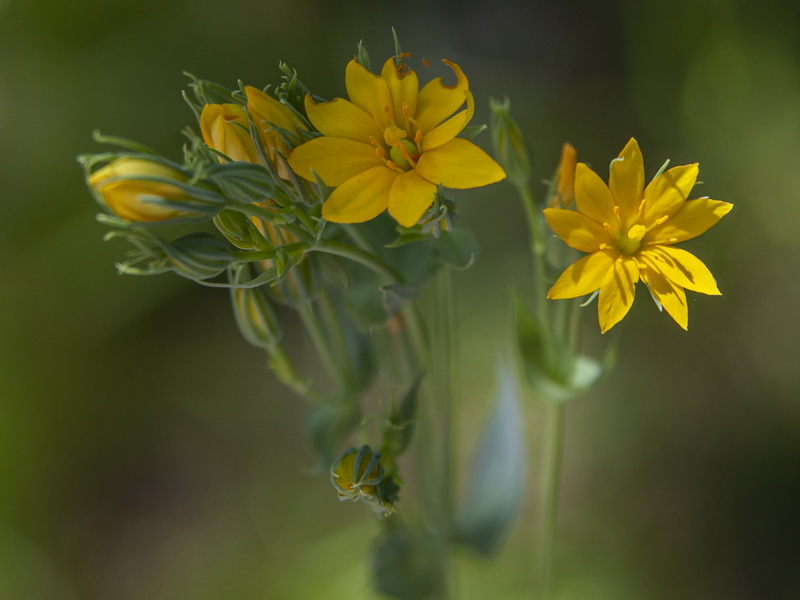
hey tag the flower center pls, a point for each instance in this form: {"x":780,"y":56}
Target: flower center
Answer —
{"x":629,"y":243}
{"x":402,"y":152}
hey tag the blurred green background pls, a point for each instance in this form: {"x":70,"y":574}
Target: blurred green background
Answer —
{"x":146,"y":452}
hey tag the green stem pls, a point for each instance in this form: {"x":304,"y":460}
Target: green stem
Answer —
{"x":318,"y":339}
{"x":538,"y":253}
{"x":444,"y":424}
{"x":550,"y":470}
{"x":358,"y":255}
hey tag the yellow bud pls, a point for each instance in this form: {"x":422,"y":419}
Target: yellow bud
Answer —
{"x":225,"y":128}
{"x":270,"y":115}
{"x":125,"y":184}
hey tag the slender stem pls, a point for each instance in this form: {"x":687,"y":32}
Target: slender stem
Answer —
{"x":552,"y":447}
{"x":358,"y":255}
{"x":538,"y":252}
{"x":444,"y":426}
{"x":318,"y":339}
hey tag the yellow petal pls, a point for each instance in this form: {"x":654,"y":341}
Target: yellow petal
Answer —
{"x":583,"y":277}
{"x":369,"y":92}
{"x":335,"y":160}
{"x":360,"y":198}
{"x":671,"y":296}
{"x":266,"y":110}
{"x":341,"y":118}
{"x":627,"y":182}
{"x":225,"y":128}
{"x":410,"y":197}
{"x":667,"y":192}
{"x":459,"y":164}
{"x":404,"y":88}
{"x":593,"y":198}
{"x":450,"y":128}
{"x":690,"y":220}
{"x":617,"y":292}
{"x":438,"y":101}
{"x":577,"y":231}
{"x":681,"y":267}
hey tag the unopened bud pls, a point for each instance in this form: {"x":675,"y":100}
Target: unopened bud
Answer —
{"x":510,"y":146}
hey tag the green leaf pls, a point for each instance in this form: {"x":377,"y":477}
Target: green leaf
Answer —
{"x":497,"y":475}
{"x":405,"y":566}
{"x":458,"y":249}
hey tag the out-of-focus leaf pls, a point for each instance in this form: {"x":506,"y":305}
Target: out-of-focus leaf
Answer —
{"x":329,"y":425}
{"x":395,"y":297}
{"x":400,"y":427}
{"x":497,"y":476}
{"x":538,"y":366}
{"x":458,"y":249}
{"x":404,"y":566}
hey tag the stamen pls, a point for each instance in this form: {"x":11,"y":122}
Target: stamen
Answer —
{"x":660,"y":220}
{"x":603,"y":246}
{"x":673,"y":240}
{"x":393,"y":166}
{"x":381,"y":153}
{"x":642,"y":204}
{"x":607,"y":227}
{"x":616,"y":210}
{"x":373,"y":141}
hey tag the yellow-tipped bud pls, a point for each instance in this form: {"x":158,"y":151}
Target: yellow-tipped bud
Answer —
{"x":225,"y":128}
{"x":270,"y":116}
{"x":565,"y":184}
{"x":128,"y":185}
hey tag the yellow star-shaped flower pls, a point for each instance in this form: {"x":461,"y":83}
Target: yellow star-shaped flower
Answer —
{"x":629,"y":231}
{"x":392,"y":144}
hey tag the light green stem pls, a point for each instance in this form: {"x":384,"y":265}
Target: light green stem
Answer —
{"x":552,"y":447}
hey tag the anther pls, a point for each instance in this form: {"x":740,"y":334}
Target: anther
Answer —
{"x":607,"y":227}
{"x":642,"y":205}
{"x":673,"y":240}
{"x":616,"y":210}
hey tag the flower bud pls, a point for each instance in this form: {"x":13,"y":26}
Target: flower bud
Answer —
{"x":565,"y":183}
{"x":225,"y":128}
{"x":197,"y":255}
{"x":270,"y":116}
{"x":240,"y":230}
{"x":511,"y":149}
{"x":131,"y":188}
{"x":357,"y":474}
{"x":256,"y":317}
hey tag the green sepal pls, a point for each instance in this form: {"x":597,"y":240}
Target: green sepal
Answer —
{"x":197,"y":255}
{"x":470,"y":132}
{"x":362,"y":56}
{"x":496,"y":480}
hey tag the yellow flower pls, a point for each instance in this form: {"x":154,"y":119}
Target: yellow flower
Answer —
{"x":392,"y":144}
{"x":225,"y":128}
{"x":269,"y":116}
{"x":565,"y":184}
{"x":125,"y":185}
{"x":629,"y":231}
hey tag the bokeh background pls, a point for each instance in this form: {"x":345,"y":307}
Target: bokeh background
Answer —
{"x":146,"y":452}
